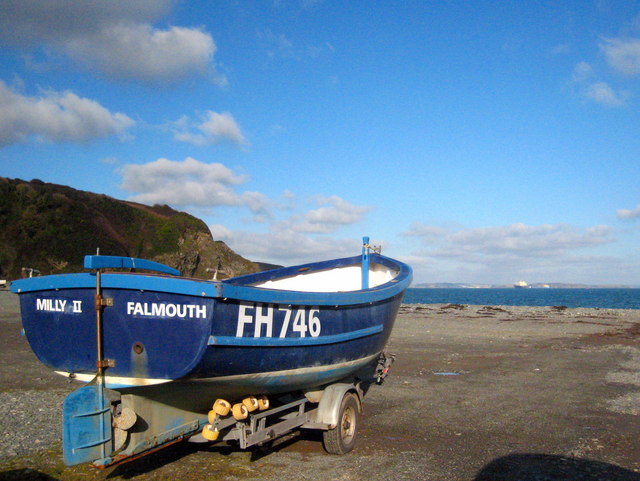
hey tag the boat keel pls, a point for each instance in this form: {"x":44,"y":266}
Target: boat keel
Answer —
{"x":86,"y":421}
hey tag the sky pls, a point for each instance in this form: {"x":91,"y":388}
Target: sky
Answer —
{"x":480,"y":142}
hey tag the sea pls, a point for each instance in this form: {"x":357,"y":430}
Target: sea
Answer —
{"x":603,"y":298}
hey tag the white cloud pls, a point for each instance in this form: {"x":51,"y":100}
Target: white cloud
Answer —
{"x":142,"y":52}
{"x":520,"y":239}
{"x":589,"y":88}
{"x":561,"y":49}
{"x":500,"y":254}
{"x":582,"y":72}
{"x":220,"y":232}
{"x":629,"y":213}
{"x":527,"y":240}
{"x":56,"y":117}
{"x":427,"y":233}
{"x":276,"y":45}
{"x":214,"y":128}
{"x":299,"y":238}
{"x":28,"y":23}
{"x":623,"y":54}
{"x":601,"y":93}
{"x":335,"y":213}
{"x":257,"y":203}
{"x":276,"y":129}
{"x":115,"y":37}
{"x":279,"y":46}
{"x":188,"y":183}
{"x":282,"y":245}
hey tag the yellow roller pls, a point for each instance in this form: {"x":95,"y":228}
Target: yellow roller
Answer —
{"x":240,"y":411}
{"x":210,"y":433}
{"x":212,"y":416}
{"x":221,"y":407}
{"x":251,"y":403}
{"x":263,"y":402}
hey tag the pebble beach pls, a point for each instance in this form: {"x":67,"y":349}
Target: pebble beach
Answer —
{"x":474,"y":391}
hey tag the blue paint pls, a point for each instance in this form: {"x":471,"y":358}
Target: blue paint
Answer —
{"x":300,"y":341}
{"x":86,"y":426}
{"x":353,"y":325}
{"x":118,"y":262}
{"x":238,"y":288}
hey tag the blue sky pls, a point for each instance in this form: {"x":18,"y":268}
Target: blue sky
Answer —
{"x":482,"y":141}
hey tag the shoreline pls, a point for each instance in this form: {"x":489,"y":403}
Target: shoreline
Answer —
{"x":506,"y":307}
{"x":602,"y":298}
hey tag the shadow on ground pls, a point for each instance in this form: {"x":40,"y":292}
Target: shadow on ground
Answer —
{"x":25,"y":475}
{"x":152,"y":461}
{"x":545,"y":467}
{"x":297,"y":440}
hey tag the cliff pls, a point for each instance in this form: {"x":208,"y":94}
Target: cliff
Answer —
{"x":52,"y":227}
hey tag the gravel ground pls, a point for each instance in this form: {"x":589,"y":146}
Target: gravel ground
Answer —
{"x":30,"y":421}
{"x":476,"y":393}
{"x":30,"y":395}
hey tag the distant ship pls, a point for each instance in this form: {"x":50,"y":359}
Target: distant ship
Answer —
{"x":520,"y":285}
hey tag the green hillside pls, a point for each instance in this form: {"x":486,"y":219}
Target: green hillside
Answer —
{"x":52,"y":227}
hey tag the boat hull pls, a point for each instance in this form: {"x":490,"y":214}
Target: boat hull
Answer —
{"x":182,"y":339}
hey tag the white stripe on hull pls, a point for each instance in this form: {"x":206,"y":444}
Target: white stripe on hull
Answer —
{"x":290,"y":372}
{"x":117,"y":381}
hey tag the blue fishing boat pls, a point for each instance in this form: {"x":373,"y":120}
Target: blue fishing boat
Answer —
{"x":155,"y":345}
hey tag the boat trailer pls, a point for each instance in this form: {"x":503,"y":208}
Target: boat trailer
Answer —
{"x":111,"y":426}
{"x":106,"y":428}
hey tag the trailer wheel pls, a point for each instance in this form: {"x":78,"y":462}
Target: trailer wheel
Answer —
{"x":342,"y":438}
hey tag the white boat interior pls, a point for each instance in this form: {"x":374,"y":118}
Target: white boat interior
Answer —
{"x":339,"y":279}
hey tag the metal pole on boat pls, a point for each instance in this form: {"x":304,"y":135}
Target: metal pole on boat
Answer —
{"x":100,"y":355}
{"x":100,"y":304}
{"x":365,"y":263}
{"x":101,"y":362}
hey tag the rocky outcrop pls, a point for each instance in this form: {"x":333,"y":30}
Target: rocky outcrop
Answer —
{"x":51,"y":228}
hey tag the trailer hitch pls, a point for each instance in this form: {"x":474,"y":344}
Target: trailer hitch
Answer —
{"x":384,"y":364}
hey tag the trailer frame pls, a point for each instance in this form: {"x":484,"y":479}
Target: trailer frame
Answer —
{"x":322,"y":408}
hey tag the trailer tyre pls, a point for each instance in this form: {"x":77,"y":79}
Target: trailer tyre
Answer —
{"x":342,"y":438}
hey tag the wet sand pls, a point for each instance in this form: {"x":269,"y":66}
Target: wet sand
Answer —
{"x":476,"y":393}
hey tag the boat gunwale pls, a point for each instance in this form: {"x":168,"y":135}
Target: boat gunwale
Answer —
{"x":236,"y":288}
